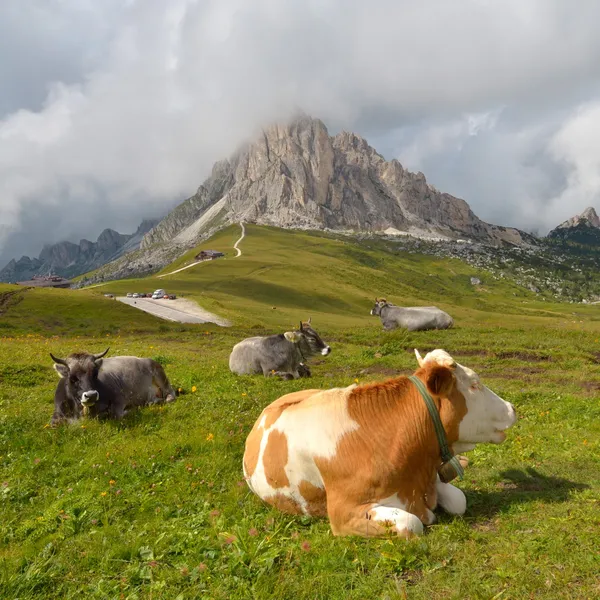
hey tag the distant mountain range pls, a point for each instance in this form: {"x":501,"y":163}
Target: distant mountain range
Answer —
{"x":69,"y":260}
{"x":292,"y":176}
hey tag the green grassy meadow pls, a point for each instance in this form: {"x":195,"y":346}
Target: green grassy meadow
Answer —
{"x":155,"y":506}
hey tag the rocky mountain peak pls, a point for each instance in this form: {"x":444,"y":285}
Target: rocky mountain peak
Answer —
{"x":589,"y":215}
{"x":296,"y":175}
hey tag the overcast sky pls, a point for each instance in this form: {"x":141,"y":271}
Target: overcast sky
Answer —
{"x":112,"y":111}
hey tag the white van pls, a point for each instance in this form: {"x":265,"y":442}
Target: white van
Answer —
{"x":158,"y":294}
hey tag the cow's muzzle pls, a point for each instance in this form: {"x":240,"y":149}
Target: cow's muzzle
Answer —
{"x":326,"y":351}
{"x":89,"y":398}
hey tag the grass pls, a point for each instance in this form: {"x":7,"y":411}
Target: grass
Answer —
{"x":155,"y":506}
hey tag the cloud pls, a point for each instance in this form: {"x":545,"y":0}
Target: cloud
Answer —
{"x":134,"y":101}
{"x":577,"y":146}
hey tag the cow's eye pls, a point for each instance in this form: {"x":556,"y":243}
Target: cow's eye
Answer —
{"x":475,"y":385}
{"x":73,"y":380}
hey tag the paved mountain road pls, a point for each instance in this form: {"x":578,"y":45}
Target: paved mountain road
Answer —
{"x":179,"y":310}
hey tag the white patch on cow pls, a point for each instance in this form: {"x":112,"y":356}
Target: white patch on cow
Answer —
{"x":90,"y":397}
{"x":326,"y":351}
{"x":450,"y":498}
{"x":310,"y":433}
{"x":488,"y":415}
{"x":261,"y":423}
{"x":392,"y":509}
{"x":441,"y":357}
{"x":318,"y":430}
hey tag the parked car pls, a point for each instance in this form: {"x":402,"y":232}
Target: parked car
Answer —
{"x":136,"y":295}
{"x":171,"y":297}
{"x":158,"y":294}
{"x":129,"y":295}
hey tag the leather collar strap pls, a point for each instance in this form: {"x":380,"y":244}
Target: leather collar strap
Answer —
{"x":447,"y":456}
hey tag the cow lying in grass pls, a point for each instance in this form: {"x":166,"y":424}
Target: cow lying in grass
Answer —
{"x":107,"y":387}
{"x":283,"y":354}
{"x":412,"y":318}
{"x":368,"y":456}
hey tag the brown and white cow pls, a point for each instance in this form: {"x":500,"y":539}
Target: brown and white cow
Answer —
{"x":367,"y":456}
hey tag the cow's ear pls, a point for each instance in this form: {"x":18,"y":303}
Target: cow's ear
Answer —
{"x":440,"y":380}
{"x":292,"y":336}
{"x":99,"y":362}
{"x":62,"y":370}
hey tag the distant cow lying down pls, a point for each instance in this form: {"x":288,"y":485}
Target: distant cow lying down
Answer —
{"x":367,"y":456}
{"x":92,"y":386}
{"x":413,"y":318}
{"x":282,"y":354}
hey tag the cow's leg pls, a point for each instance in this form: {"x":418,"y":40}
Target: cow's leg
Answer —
{"x":116,"y":411}
{"x":303,"y":370}
{"x":275,"y":373}
{"x":372,"y":521}
{"x":166,"y":393}
{"x":450,"y":498}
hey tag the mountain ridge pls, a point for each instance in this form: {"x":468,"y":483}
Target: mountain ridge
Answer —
{"x":69,"y":259}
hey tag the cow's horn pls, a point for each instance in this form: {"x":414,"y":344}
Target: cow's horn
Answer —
{"x":309,"y":320}
{"x":58,"y":361}
{"x":97,"y":356}
{"x":419,"y":358}
{"x":301,"y":325}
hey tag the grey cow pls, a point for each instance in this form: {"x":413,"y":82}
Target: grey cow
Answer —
{"x":413,"y":318}
{"x":282,"y":354}
{"x":92,"y":386}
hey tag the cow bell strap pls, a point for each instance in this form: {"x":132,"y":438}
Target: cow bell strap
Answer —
{"x":447,"y":456}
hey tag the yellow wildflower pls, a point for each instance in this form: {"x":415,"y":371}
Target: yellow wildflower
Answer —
{"x":112,"y":482}
{"x":210,"y":437}
{"x":243,"y":393}
{"x":103,"y":494}
{"x":194,"y":388}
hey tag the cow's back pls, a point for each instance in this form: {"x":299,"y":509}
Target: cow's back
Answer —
{"x":128,"y":379}
{"x":261,"y":355}
{"x":279,"y":458}
{"x":245,"y":356}
{"x":416,"y":318}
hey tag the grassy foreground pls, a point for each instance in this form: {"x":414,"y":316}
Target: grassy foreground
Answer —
{"x":156,"y":507}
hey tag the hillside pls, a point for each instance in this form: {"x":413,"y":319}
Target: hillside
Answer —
{"x":282,"y":274}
